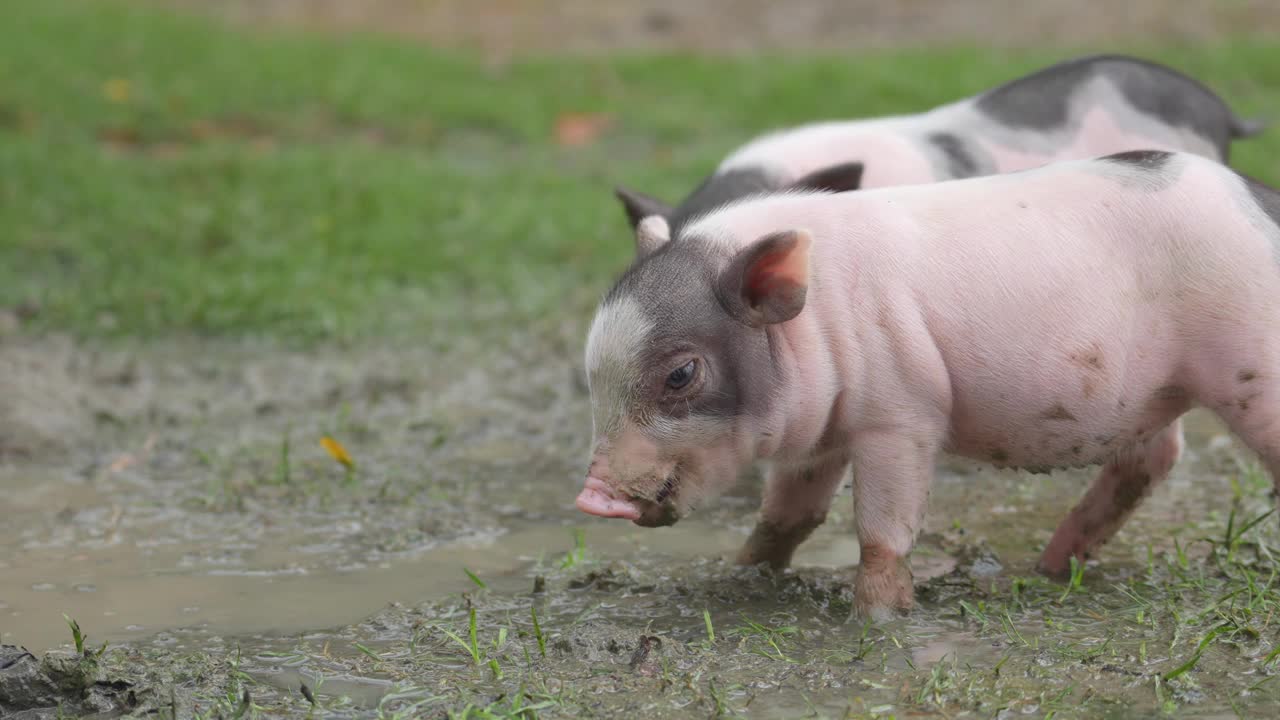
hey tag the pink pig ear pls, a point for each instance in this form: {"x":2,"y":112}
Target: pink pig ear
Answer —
{"x":767,"y":282}
{"x":651,"y":234}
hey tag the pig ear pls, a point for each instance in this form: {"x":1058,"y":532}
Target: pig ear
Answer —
{"x":766,"y":283}
{"x":837,"y":178}
{"x":639,"y":206}
{"x":651,"y":234}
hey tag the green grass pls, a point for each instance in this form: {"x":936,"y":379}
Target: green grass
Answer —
{"x":167,"y":174}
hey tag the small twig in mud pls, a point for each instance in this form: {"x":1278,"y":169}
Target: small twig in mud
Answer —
{"x":647,"y":644}
{"x":10,"y":662}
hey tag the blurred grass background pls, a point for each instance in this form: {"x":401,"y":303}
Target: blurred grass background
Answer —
{"x":165,"y":173}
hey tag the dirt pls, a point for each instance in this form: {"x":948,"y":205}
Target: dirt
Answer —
{"x":503,"y":27}
{"x":174,"y":500}
{"x":150,"y":497}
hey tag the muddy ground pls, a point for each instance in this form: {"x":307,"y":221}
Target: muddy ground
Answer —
{"x":155,"y":500}
{"x":173,"y":499}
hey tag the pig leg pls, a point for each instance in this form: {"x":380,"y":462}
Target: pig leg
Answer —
{"x":1115,"y":494}
{"x":795,"y":503}
{"x":1257,"y":423}
{"x":891,"y":487}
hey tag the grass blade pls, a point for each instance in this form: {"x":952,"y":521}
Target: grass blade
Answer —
{"x":537,"y":632}
{"x":475,"y":579}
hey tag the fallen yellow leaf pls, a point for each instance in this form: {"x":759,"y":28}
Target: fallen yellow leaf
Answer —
{"x":338,"y":452}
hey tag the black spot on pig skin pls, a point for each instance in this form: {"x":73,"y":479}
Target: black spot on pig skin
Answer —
{"x":1042,"y":100}
{"x":1153,"y":160}
{"x":1058,"y":412}
{"x":960,"y":162}
{"x":1169,"y":392}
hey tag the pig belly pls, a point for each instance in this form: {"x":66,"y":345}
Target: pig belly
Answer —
{"x":1072,"y":414}
{"x":1057,"y":438}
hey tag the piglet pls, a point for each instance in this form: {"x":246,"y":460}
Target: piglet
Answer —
{"x":1059,"y":317}
{"x":1081,"y":108}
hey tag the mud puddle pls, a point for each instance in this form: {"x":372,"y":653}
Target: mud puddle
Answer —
{"x":176,"y":503}
{"x":127,"y":592}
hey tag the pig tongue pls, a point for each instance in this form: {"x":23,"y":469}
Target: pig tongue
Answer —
{"x":597,"y":498}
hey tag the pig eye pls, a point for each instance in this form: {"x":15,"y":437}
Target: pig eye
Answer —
{"x":682,"y":375}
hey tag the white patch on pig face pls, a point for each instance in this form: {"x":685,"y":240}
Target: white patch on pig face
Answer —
{"x":675,"y":382}
{"x":613,"y":361}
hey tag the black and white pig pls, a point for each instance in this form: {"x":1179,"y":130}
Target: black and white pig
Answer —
{"x":1077,"y":109}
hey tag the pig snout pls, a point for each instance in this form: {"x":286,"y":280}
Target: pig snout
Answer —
{"x":656,"y":514}
{"x":597,"y":498}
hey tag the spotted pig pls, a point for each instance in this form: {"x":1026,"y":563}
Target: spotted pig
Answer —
{"x":1058,"y":317}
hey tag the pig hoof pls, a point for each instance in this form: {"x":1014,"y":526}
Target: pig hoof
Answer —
{"x":882,"y":594}
{"x":1057,"y":568}
{"x":765,"y":557}
{"x":751,"y":560}
{"x":878,"y":615}
{"x":1053,"y":570}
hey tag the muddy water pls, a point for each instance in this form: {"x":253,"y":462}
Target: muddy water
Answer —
{"x":128,"y":569}
{"x":127,"y":590}
{"x":176,"y":501}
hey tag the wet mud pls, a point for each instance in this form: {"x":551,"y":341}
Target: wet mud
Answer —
{"x":175,"y":501}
